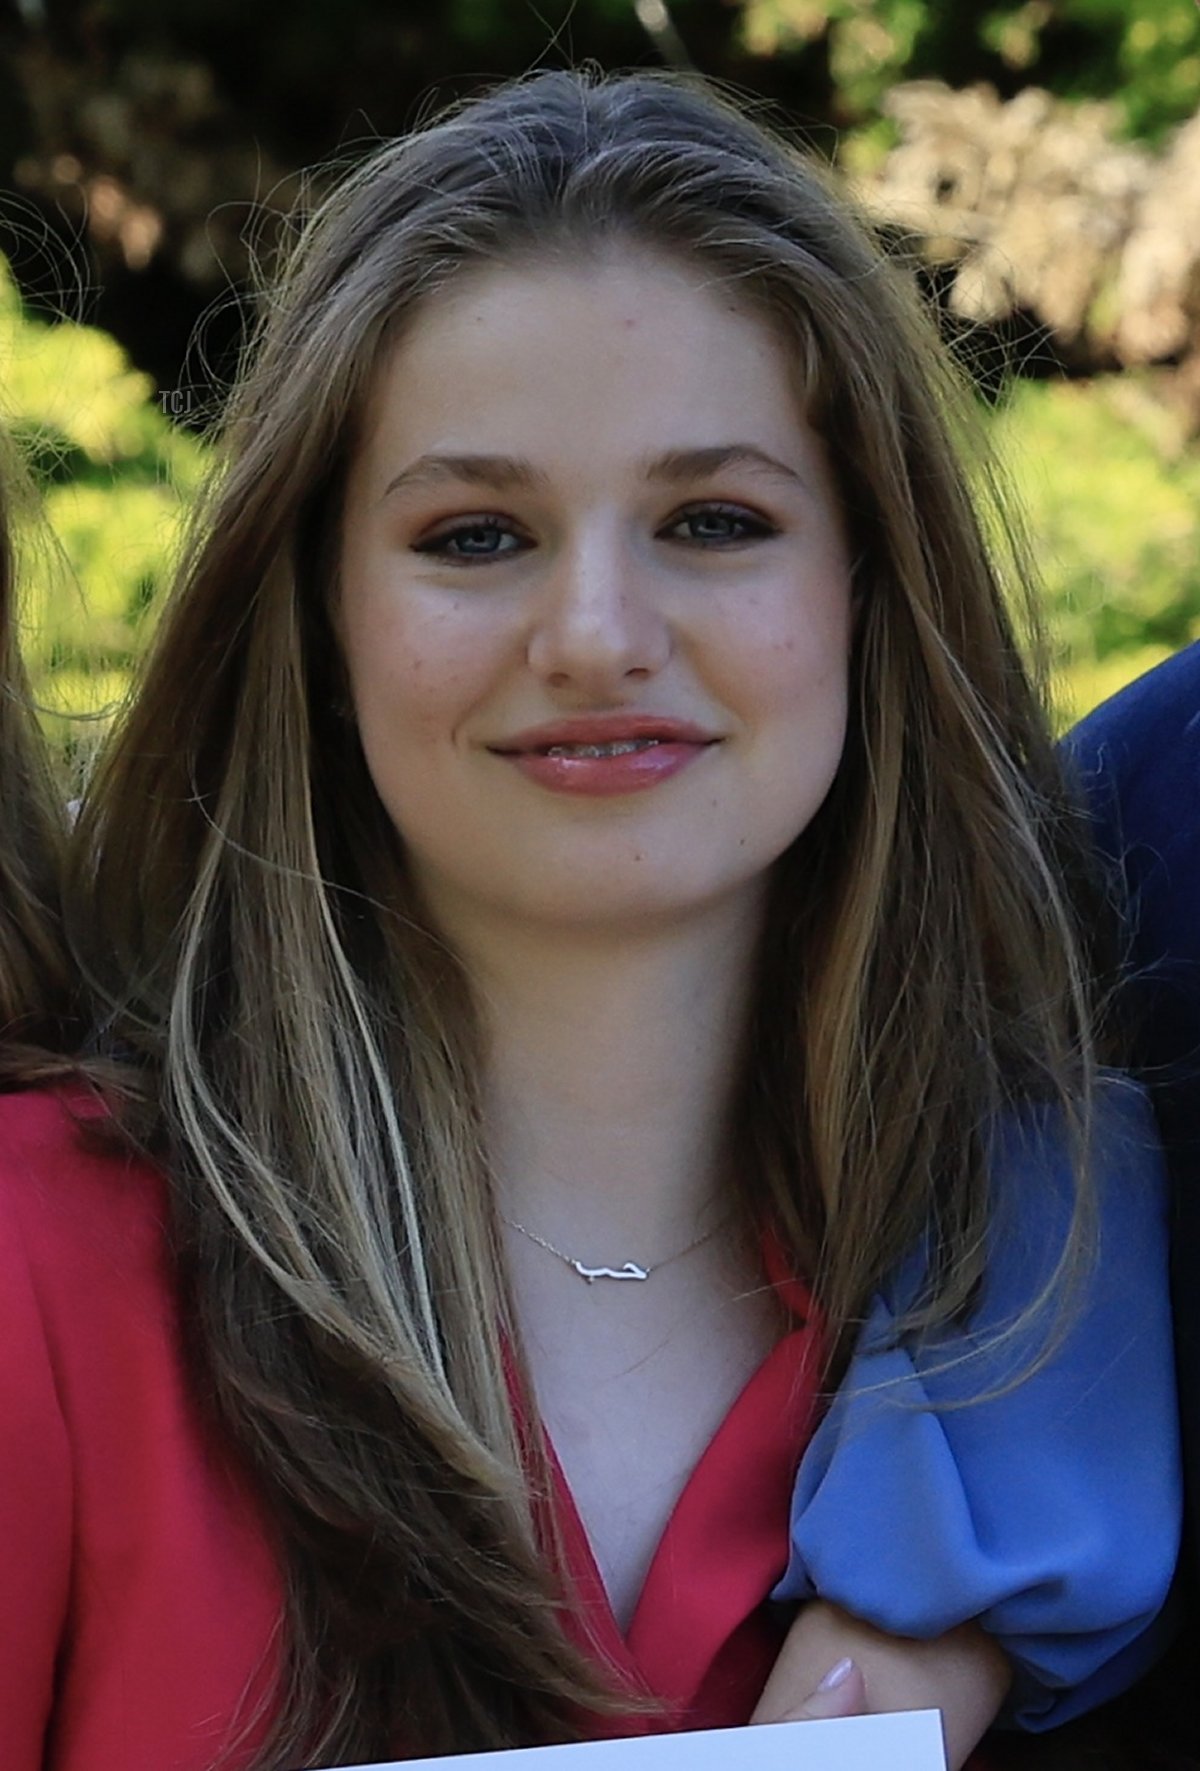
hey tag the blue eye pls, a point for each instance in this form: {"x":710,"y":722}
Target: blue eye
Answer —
{"x":718,"y":525}
{"x":478,"y":539}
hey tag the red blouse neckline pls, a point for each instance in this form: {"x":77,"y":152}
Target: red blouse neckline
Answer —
{"x":702,"y":1638}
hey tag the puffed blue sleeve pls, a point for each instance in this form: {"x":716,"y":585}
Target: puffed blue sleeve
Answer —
{"x":1049,"y":1508}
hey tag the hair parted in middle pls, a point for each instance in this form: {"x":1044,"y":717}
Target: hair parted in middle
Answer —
{"x":307,"y":1045}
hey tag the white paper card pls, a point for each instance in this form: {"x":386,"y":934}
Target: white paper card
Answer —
{"x":908,"y":1742}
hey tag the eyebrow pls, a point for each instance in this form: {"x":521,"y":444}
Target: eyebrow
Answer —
{"x":506,"y":473}
{"x":500,"y":472}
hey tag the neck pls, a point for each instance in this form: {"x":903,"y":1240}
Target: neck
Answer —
{"x":610,"y":1067}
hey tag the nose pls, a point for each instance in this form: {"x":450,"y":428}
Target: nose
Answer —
{"x":599,"y":624}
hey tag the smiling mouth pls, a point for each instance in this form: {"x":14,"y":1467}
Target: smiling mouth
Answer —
{"x":618,"y":747}
{"x":593,"y":749}
{"x":601,"y":767}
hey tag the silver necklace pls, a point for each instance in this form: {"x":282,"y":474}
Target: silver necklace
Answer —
{"x":629,"y":1270}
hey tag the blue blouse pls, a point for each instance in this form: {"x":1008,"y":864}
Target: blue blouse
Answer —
{"x":956,"y":1478}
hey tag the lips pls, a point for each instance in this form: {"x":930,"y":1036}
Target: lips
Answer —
{"x":605,"y":756}
{"x":589,"y":733}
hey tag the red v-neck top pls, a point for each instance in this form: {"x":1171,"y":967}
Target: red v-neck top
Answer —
{"x":703,"y":1638}
{"x":140,"y":1597}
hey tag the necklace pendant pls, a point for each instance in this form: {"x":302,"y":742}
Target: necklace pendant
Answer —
{"x":630,"y":1270}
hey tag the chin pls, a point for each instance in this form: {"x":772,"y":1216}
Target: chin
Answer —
{"x":602,"y":901}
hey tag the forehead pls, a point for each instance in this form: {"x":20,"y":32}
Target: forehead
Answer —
{"x":624,"y":350}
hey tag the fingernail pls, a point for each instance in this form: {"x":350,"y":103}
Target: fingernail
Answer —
{"x":837,"y":1675}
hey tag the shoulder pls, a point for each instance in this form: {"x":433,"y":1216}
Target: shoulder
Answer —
{"x":81,"y":1222}
{"x":1118,"y":1272}
{"x":1121,"y":1275}
{"x":1137,"y":761}
{"x":62,"y":1140}
{"x":1137,"y":758}
{"x":1163,"y":705}
{"x":1033,"y":1148}
{"x":136,"y":1558}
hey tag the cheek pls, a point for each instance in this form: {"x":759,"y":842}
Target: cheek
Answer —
{"x":793,"y":669}
{"x":792,"y":655}
{"x":412,"y":674}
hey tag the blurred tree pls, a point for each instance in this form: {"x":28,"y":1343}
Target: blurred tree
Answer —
{"x":1143,"y":54}
{"x":1036,"y":226}
{"x":115,"y":478}
{"x":1113,"y":511}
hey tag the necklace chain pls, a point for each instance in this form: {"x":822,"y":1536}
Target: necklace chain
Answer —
{"x":628,"y":1270}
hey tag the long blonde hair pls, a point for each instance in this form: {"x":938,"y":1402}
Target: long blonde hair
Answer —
{"x":308,"y":1047}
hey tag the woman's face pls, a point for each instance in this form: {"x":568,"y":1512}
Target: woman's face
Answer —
{"x":595,"y":598}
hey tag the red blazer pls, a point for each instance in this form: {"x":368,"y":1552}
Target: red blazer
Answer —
{"x":140,"y":1595}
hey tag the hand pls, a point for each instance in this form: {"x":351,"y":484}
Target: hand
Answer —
{"x":963,"y":1674}
{"x":842,"y":1692}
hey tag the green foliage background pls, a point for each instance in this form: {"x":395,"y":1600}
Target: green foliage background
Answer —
{"x":1144,"y":55}
{"x":1113,"y":512}
{"x":114,"y":477}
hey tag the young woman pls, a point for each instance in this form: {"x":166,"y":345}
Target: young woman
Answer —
{"x":582,"y":910}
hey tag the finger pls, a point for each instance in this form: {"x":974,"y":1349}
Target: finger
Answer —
{"x":842,"y":1692}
